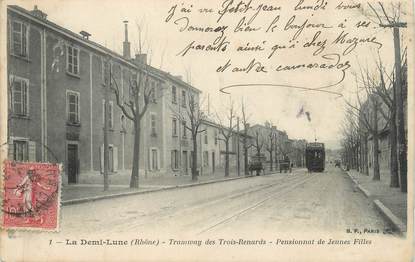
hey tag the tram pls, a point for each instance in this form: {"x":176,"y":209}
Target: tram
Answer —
{"x":315,"y":157}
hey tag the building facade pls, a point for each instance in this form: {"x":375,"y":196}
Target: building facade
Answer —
{"x":56,"y":95}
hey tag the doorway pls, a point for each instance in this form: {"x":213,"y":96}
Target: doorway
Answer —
{"x":73,"y":163}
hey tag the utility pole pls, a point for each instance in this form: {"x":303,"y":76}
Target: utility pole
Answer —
{"x":402,"y":145}
{"x":399,"y":110}
{"x":106,"y":97}
{"x":239,"y":152}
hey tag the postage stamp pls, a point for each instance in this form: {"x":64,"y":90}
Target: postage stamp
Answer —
{"x":31,"y":196}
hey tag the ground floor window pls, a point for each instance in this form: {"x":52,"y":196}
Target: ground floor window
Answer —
{"x":175,"y":159}
{"x":154,"y":165}
{"x":20,"y":150}
{"x":206,"y":158}
{"x":112,"y":158}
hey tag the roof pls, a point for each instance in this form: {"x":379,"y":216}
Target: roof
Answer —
{"x":91,"y":44}
{"x":216,"y":125}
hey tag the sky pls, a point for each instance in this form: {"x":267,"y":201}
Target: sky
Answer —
{"x":277,"y":104}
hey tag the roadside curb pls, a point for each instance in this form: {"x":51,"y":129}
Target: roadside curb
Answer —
{"x":124,"y":194}
{"x":396,"y":223}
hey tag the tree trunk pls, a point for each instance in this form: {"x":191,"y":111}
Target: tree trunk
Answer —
{"x":375,"y":136}
{"x":393,"y":150}
{"x":194,"y":159}
{"x":402,"y":148}
{"x":271,"y":159}
{"x":227,"y":158}
{"x":365,"y":157}
{"x":134,"y":181}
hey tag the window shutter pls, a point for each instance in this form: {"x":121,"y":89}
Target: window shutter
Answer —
{"x":11,"y":151}
{"x":101,"y":154}
{"x":172,"y":159}
{"x":150,"y":160}
{"x":115,"y":158}
{"x":24,"y":39}
{"x":158,"y":160}
{"x":32,"y":151}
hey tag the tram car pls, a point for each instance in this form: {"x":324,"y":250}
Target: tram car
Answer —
{"x":315,"y":157}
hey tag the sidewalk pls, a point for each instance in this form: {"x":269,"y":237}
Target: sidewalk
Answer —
{"x":389,"y":199}
{"x":78,"y":193}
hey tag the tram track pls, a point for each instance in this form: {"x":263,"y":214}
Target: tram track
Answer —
{"x":198,"y":207}
{"x":255,"y":205}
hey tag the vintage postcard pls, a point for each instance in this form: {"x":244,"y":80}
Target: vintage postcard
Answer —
{"x":223,"y":130}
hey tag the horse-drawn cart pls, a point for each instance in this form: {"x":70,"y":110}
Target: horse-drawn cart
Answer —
{"x":285,"y":165}
{"x":256,"y":164}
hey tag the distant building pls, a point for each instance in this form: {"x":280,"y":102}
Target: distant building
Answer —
{"x":283,"y":143}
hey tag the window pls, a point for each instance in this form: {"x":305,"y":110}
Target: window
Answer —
{"x":72,"y":107}
{"x":173,"y":94}
{"x":72,"y":60}
{"x":206,"y":137}
{"x":19,"y":39}
{"x":111,"y":114}
{"x":154,"y":159}
{"x":205,"y":158}
{"x":174,"y":127}
{"x":183,"y":98}
{"x":20,"y":96}
{"x":153,"y":92}
{"x":184,"y":129}
{"x":123,"y":124}
{"x":104,"y":71}
{"x":20,"y":150}
{"x":153,"y":124}
{"x":175,"y":159}
{"x":216,"y":137}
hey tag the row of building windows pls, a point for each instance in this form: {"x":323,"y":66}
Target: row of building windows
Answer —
{"x":175,"y":158}
{"x":19,"y":47}
{"x":174,"y":96}
{"x":20,"y":105}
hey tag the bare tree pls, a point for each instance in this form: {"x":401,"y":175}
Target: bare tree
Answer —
{"x":270,"y":144}
{"x":351,"y":140}
{"x":390,"y":16}
{"x":226,"y":132}
{"x":192,"y":118}
{"x":368,"y":115}
{"x":387,"y":93}
{"x":134,"y":107}
{"x":245,"y":139}
{"x":259,"y":142}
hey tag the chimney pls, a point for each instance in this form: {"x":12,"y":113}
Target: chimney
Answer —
{"x":126,"y":44}
{"x":141,"y":58}
{"x":85,"y":35}
{"x":38,"y":13}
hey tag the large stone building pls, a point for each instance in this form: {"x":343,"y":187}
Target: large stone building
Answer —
{"x":56,"y":101}
{"x":57,"y":81}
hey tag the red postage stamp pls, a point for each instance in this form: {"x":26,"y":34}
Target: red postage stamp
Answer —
{"x":31,"y":196}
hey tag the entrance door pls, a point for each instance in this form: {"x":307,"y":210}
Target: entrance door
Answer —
{"x":213,"y":162}
{"x":72,"y":163}
{"x":184,"y":162}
